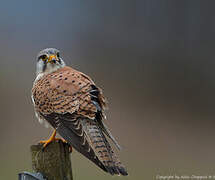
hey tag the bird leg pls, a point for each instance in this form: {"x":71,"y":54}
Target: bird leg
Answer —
{"x":52,"y":138}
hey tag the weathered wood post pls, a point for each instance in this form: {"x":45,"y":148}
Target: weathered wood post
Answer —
{"x":53,"y":161}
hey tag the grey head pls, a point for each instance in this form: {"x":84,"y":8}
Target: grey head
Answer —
{"x":48,"y":61}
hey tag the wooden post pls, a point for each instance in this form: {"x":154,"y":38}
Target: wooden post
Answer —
{"x":53,"y":161}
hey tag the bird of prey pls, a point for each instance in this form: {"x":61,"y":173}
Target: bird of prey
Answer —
{"x":74,"y":106}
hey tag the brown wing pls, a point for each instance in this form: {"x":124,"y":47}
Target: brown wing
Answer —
{"x":74,"y":106}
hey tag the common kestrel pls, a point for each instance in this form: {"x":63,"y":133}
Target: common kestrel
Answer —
{"x":74,"y":106}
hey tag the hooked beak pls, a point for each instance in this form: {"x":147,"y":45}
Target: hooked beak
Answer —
{"x":52,"y":59}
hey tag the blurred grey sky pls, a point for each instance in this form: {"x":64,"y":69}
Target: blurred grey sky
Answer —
{"x":155,"y":61}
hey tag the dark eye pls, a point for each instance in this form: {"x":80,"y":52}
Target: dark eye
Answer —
{"x":58,"y":54}
{"x":44,"y":57}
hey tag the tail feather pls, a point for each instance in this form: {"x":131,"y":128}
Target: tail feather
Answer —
{"x":102,"y":148}
{"x":87,"y":138}
{"x":108,"y":133}
{"x":71,"y":130}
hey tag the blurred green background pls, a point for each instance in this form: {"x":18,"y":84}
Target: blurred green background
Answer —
{"x":155,"y":61}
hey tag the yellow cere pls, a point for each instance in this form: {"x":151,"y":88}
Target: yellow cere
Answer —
{"x":52,"y":57}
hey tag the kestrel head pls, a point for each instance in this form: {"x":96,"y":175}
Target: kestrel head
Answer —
{"x":48,"y":61}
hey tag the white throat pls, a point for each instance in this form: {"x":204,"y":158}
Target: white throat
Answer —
{"x":48,"y":70}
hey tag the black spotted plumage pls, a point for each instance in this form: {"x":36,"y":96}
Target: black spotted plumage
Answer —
{"x":74,"y":106}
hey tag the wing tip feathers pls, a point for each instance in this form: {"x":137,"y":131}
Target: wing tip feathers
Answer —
{"x":116,"y":170}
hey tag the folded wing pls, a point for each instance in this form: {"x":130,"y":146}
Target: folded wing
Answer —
{"x":70,"y":101}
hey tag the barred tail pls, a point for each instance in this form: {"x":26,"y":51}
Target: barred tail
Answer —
{"x":102,"y":148}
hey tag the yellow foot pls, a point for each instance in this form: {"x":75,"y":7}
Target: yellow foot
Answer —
{"x":52,"y":138}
